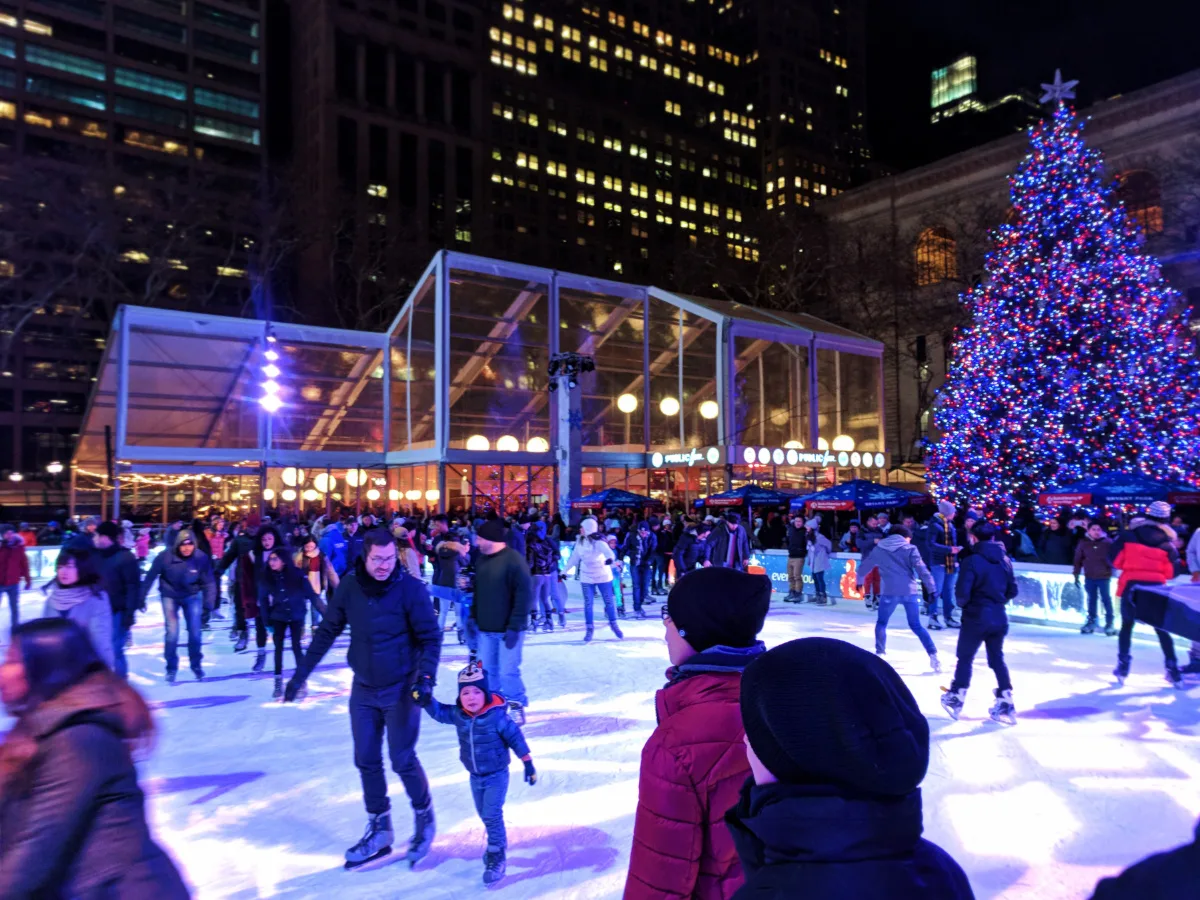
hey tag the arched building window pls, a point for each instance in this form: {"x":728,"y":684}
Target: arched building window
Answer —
{"x":936,"y":256}
{"x":1141,"y":194}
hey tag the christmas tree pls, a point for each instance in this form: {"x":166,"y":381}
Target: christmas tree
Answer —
{"x":1077,"y":360}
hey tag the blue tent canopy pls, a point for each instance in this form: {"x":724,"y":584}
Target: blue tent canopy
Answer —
{"x":1120,"y":489}
{"x":748,"y":494}
{"x":858,"y":494}
{"x":613,"y":498}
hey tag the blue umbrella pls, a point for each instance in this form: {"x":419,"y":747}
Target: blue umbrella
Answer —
{"x":1120,"y":489}
{"x":613,"y":498}
{"x":749,"y":495}
{"x":858,"y":494}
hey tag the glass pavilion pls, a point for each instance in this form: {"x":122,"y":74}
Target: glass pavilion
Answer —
{"x":450,"y":409}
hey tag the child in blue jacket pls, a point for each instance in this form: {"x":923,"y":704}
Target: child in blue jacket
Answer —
{"x":485,"y":735}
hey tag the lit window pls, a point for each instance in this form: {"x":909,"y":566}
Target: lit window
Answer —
{"x":66,"y":62}
{"x":936,"y":256}
{"x":230,"y":131}
{"x":585,"y":176}
{"x":674,"y":108}
{"x":1141,"y":195}
{"x":227,"y":102}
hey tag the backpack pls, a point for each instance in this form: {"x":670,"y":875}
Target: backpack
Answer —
{"x":1025,"y":547}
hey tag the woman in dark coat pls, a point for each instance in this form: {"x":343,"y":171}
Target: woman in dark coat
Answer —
{"x":283,"y":598}
{"x":72,"y":817}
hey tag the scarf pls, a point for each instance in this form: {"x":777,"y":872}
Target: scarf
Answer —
{"x":65,"y":599}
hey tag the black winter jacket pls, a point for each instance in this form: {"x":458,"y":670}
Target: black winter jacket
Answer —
{"x":394,"y":635}
{"x":797,"y":542}
{"x":639,"y":549}
{"x":689,"y":552}
{"x":986,"y":579}
{"x":120,"y":577}
{"x":503,"y":592}
{"x":1163,"y":876}
{"x":718,"y":546}
{"x":74,"y":827}
{"x":1056,"y":547}
{"x":812,"y":842}
{"x":285,"y":595}
{"x":181,"y":577}
{"x":541,"y":555}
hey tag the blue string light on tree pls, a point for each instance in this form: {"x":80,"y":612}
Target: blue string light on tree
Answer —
{"x":1077,"y":360}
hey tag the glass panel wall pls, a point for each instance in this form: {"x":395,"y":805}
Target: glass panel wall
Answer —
{"x":848,"y":398}
{"x":333,"y":398}
{"x":610,"y":329}
{"x":499,"y":352}
{"x":413,"y":364}
{"x":770,"y":394}
{"x":666,"y":405}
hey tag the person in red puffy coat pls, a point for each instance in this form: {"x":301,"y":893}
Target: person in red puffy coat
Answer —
{"x":1145,"y":555}
{"x":694,"y":764}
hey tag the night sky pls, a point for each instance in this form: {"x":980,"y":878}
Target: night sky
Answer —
{"x":1111,"y":47}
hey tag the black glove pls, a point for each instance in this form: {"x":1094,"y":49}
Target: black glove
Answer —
{"x":510,"y":638}
{"x":530,"y":772}
{"x":289,"y":692}
{"x":422,"y":691}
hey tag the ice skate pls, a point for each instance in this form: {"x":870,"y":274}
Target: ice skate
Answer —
{"x":934,"y":624}
{"x":376,"y":841}
{"x":1110,"y":630}
{"x":548,"y":624}
{"x":198,"y":672}
{"x":1121,"y":672}
{"x":832,"y":601}
{"x":516,"y":712}
{"x":1002,"y":710}
{"x":242,"y":640}
{"x":587,"y":635}
{"x":639,"y":614}
{"x":562,"y":621}
{"x":259,"y":661}
{"x":1089,"y":628}
{"x":171,"y":677}
{"x":494,"y":865}
{"x":278,"y":688}
{"x":935,"y":664}
{"x":616,"y":629}
{"x":1173,"y":677}
{"x":952,"y":622}
{"x":952,"y":702}
{"x":424,"y":828}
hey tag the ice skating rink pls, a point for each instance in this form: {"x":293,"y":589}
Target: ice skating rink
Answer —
{"x":257,"y":799}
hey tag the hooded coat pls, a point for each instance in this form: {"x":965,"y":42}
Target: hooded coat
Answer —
{"x":901,"y":569}
{"x":180,"y":577}
{"x":485,"y":738}
{"x":986,"y":580}
{"x":72,"y":817}
{"x":817,"y":843}
{"x":1144,"y":555}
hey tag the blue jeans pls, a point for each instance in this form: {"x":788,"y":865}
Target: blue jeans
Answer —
{"x":446,"y":596}
{"x":641,"y":584}
{"x":489,"y":792}
{"x":1098,"y":588}
{"x":118,"y":636}
{"x":191,"y":608}
{"x":912,"y":609}
{"x":316,"y":614}
{"x":503,"y":665}
{"x":372,"y":712}
{"x":545,"y":595}
{"x":944,"y":583}
{"x":819,"y":583}
{"x":589,"y":597}
{"x":14,"y":601}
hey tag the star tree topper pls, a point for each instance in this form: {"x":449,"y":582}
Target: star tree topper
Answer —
{"x":1059,"y":91}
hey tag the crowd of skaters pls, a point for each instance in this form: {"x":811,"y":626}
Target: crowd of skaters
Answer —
{"x":749,"y":785}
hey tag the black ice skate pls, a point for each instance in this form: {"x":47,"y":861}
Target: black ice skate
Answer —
{"x":1089,"y":627}
{"x":1110,"y":630}
{"x":1121,"y":672}
{"x":259,"y":661}
{"x":548,"y":624}
{"x":424,"y":828}
{"x":616,"y":629}
{"x":171,"y":677}
{"x":199,"y":673}
{"x":494,"y":865}
{"x":1003,"y":710}
{"x":587,"y":635}
{"x":278,"y":688}
{"x":952,"y":702}
{"x":1174,"y":678}
{"x":376,"y":842}
{"x":242,"y":640}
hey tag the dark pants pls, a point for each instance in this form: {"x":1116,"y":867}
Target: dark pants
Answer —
{"x":658,"y":563}
{"x":987,"y":627}
{"x":372,"y":711}
{"x":819,"y":584}
{"x":489,"y":792}
{"x":641,"y":584}
{"x":14,"y":601}
{"x":120,"y":628}
{"x":1129,"y":619}
{"x":281,"y":629}
{"x":1098,"y":587}
{"x":190,"y":607}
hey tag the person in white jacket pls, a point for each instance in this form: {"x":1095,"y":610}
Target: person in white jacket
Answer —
{"x":595,"y":559}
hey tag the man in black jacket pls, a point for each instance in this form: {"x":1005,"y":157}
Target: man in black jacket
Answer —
{"x":394,"y":649}
{"x":729,"y":545}
{"x":985,"y":585}
{"x":639,"y":547}
{"x":186,"y":582}
{"x":503,"y":595}
{"x":121,"y":578}
{"x":797,"y":547}
{"x":689,"y":550}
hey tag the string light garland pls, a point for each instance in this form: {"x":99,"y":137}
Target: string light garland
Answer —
{"x":1077,"y":360}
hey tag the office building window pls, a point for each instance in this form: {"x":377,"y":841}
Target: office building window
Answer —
{"x":65,"y":62}
{"x":151,"y":84}
{"x":227,"y":102}
{"x":8,"y":47}
{"x":152,"y":112}
{"x":66,"y":91}
{"x":232,"y":21}
{"x":230,"y":131}
{"x":159,"y":28}
{"x":936,"y":256}
{"x":1141,"y":194}
{"x":212,"y":43}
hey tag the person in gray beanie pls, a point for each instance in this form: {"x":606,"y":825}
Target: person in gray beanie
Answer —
{"x":943,"y":564}
{"x":833,"y":808}
{"x":819,"y":549}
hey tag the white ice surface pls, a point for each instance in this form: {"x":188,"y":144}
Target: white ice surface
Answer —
{"x":257,"y":799}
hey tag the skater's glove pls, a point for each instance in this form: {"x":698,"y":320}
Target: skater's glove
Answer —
{"x":530,"y":773}
{"x":510,"y":638}
{"x":422,"y":691}
{"x":289,"y":692}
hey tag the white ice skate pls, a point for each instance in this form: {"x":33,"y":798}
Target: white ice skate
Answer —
{"x":1003,"y":710}
{"x":952,"y":701}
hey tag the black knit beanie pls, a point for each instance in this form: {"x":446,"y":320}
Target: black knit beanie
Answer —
{"x":822,"y":711}
{"x":494,"y":530}
{"x":719,"y":606}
